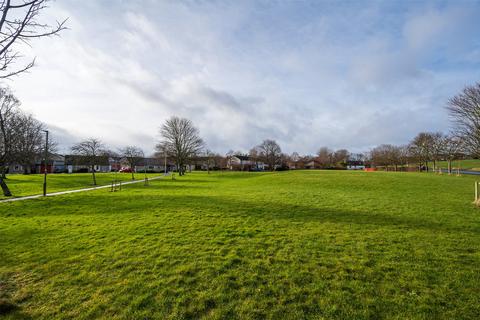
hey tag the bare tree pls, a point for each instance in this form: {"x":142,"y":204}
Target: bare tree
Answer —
{"x":423,"y":147}
{"x":464,"y":110}
{"x":19,"y":24}
{"x":437,"y":139}
{"x":325,"y":157}
{"x":218,"y":161}
{"x":162,"y":153}
{"x":271,"y":153}
{"x":295,"y":157}
{"x":133,"y":156}
{"x":452,"y":147}
{"x":29,"y":141}
{"x":181,"y":139}
{"x":387,"y":155}
{"x":209,"y":159}
{"x":8,"y":127}
{"x":228,"y":159}
{"x":91,"y":150}
{"x":255,"y":155}
{"x":404,"y":155}
{"x":340,"y":157}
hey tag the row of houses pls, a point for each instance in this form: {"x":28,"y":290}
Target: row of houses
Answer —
{"x":246,"y":163}
{"x":73,"y":164}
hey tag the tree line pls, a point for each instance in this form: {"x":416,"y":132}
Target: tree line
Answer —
{"x":21,"y":135}
{"x":22,"y":142}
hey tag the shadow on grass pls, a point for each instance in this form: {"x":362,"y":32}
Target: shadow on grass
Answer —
{"x":106,"y":203}
{"x":8,"y":308}
{"x":12,"y":311}
{"x":300,"y":213}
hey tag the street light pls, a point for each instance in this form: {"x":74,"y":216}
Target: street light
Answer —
{"x":45,"y":168}
{"x":165,"y":162}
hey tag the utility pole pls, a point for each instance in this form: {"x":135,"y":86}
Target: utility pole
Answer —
{"x":145,"y":170}
{"x":46,"y":161}
{"x":165,"y":161}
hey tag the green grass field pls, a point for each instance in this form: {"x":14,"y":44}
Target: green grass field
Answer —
{"x":27,"y":185}
{"x":469,"y":164}
{"x":286,"y":245}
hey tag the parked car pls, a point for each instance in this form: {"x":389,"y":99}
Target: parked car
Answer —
{"x":126,"y":170}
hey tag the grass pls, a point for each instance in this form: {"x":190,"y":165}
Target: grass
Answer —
{"x":468,"y":164}
{"x":287,"y":245}
{"x":26,"y":185}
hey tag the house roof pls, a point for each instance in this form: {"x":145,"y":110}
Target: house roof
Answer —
{"x":242,"y":157}
{"x":355,"y":163}
{"x":71,"y":159}
{"x":154,"y":162}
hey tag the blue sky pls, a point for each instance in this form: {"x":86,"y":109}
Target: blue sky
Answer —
{"x":351,"y":74}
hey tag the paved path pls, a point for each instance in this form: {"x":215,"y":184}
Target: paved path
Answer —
{"x":454,"y":171}
{"x":74,"y":191}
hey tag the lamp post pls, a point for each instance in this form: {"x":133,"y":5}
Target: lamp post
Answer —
{"x":145,"y":170}
{"x":165,"y":161}
{"x":46,"y":161}
{"x":165,"y":165}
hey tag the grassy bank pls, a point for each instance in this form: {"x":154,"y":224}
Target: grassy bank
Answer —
{"x":27,"y":185}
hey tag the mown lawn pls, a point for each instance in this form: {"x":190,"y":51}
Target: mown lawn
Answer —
{"x":27,"y":185}
{"x":287,"y":245}
{"x":468,"y":164}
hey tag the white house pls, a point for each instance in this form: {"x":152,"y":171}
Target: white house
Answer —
{"x":245,"y":163}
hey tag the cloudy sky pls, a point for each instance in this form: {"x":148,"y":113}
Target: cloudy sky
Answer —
{"x":349,"y":74}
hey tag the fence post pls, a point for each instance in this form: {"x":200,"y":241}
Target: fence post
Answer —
{"x":476,"y":191}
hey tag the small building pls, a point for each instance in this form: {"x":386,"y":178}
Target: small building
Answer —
{"x":313,"y":164}
{"x":16,"y":168}
{"x":296,"y":165}
{"x":355,"y":165}
{"x":55,"y":164}
{"x":245,"y":163}
{"x":78,"y":163}
{"x":154,"y":165}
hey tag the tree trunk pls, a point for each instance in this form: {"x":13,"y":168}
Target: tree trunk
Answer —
{"x":133,"y":177}
{"x":93,"y":176}
{"x":5,"y":189}
{"x":449,"y":166}
{"x":179,"y":168}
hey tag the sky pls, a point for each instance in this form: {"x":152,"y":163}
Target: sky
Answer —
{"x":343,"y":74}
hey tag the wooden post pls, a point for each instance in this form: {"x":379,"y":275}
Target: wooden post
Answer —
{"x":476,"y":191}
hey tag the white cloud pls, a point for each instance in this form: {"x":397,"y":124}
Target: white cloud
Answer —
{"x":306,"y":75}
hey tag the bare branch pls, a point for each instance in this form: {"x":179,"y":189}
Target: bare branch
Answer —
{"x":18,"y":24}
